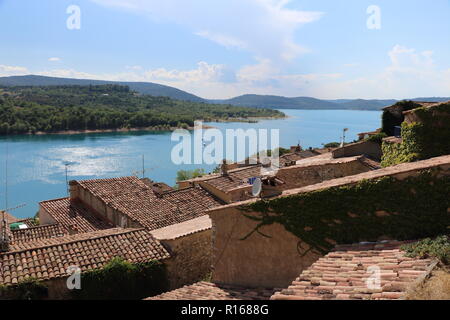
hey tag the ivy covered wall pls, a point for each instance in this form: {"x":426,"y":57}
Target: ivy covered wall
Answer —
{"x":122,"y":280}
{"x":426,"y":137}
{"x":412,"y":208}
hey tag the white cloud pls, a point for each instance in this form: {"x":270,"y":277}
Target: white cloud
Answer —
{"x":12,"y":70}
{"x":409,"y":74}
{"x":266,"y":28}
{"x":54,"y":59}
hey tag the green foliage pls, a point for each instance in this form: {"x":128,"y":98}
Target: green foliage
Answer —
{"x":281,"y":151}
{"x":122,"y":280}
{"x":332,"y":145}
{"x":430,"y":248}
{"x":378,"y":138}
{"x":190,"y":174}
{"x":406,"y":209}
{"x":427,"y":139}
{"x":104,"y":107}
{"x":28,"y":289}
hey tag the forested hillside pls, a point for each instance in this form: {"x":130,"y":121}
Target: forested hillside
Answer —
{"x":103,"y":107}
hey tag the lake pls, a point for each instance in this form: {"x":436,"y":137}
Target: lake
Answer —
{"x":37,"y":164}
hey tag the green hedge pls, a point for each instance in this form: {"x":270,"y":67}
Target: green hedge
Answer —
{"x":122,"y":280}
{"x":407,"y":209}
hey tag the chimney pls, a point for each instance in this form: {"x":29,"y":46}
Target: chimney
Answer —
{"x":73,"y":190}
{"x":296,"y":148}
{"x":4,"y":234}
{"x":224,"y":168}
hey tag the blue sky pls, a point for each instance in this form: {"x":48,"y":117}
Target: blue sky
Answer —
{"x":224,"y":48}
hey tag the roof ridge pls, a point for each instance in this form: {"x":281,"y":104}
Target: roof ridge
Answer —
{"x":39,"y":226}
{"x":116,"y":233}
{"x":54,"y":200}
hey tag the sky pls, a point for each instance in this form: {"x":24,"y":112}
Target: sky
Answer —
{"x":217,"y":49}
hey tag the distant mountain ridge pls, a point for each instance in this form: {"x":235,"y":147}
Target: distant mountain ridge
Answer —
{"x":149,"y":88}
{"x":247,"y":100}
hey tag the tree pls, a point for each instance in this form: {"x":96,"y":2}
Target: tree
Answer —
{"x":189,"y":174}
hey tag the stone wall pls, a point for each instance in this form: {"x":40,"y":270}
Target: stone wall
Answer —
{"x":258,"y":261}
{"x":304,"y":175}
{"x":44,"y":217}
{"x":369,"y":148}
{"x":190,"y":260}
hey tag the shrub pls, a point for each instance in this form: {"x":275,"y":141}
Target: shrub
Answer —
{"x":122,"y":280}
{"x":28,"y":289}
{"x":332,"y":145}
{"x":378,"y":138}
{"x":430,"y":248}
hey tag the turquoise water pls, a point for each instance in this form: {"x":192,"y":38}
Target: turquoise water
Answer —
{"x":36,"y":164}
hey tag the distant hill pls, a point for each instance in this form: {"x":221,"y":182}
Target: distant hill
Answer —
{"x":247,"y":100}
{"x":253,"y":100}
{"x":149,"y":88}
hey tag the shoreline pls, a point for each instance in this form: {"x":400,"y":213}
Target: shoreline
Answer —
{"x":148,"y":129}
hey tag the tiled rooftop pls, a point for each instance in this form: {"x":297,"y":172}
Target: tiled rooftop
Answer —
{"x":235,"y":178}
{"x":294,"y":157}
{"x":50,"y":258}
{"x":74,"y":217}
{"x":211,"y":291}
{"x":137,"y":200}
{"x":23,"y":238}
{"x":343,"y":274}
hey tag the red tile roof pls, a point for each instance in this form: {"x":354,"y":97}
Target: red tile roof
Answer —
{"x":137,"y":200}
{"x":235,"y":178}
{"x":211,"y":291}
{"x":50,"y":258}
{"x":289,"y":158}
{"x":74,"y":217}
{"x":343,"y":274}
{"x":22,"y":238}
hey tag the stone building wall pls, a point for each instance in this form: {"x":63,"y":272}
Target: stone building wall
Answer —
{"x":270,"y":261}
{"x":190,"y":258}
{"x":369,"y":148}
{"x":300,"y":176}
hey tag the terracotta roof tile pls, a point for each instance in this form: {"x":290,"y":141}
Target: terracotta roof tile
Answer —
{"x":212,"y":291}
{"x":137,"y":200}
{"x":290,"y":158}
{"x":74,"y":217}
{"x":343,"y":274}
{"x":50,"y":258}
{"x":235,"y":178}
{"x":23,"y":238}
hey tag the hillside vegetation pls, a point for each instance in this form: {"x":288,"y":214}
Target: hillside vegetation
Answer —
{"x":102,"y":107}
